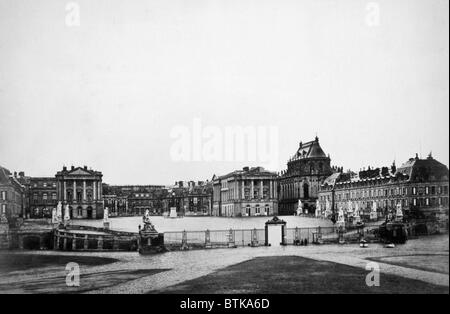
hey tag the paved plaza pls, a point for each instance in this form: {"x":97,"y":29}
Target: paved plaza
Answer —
{"x":425,"y":259}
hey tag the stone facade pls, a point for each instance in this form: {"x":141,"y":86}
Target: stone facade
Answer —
{"x":189,"y":198}
{"x":419,"y":185}
{"x":12,"y":196}
{"x":247,"y":192}
{"x":81,"y":189}
{"x":42,"y":197}
{"x":306,"y":171}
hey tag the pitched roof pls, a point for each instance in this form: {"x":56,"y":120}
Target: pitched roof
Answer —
{"x":331,"y":180}
{"x":310,"y":149}
{"x":4,"y":175}
{"x":424,"y":169}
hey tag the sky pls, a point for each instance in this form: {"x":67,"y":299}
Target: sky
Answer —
{"x":145,"y":91}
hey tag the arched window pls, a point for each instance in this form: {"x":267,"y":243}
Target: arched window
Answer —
{"x":305,"y":190}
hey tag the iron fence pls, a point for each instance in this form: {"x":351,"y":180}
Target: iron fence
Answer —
{"x":214,"y":238}
{"x":292,"y":236}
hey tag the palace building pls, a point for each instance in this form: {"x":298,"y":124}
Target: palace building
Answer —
{"x":189,"y":198}
{"x":306,"y":171}
{"x":420,"y":186}
{"x":81,"y":189}
{"x":12,"y":197}
{"x":42,"y":196}
{"x":246,"y":192}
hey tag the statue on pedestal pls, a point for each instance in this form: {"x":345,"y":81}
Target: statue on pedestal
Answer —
{"x":59,"y":213}
{"x":399,"y":212}
{"x":66,"y":215}
{"x":150,"y":241}
{"x":318,"y":209}
{"x":106,"y":214}
{"x":327,"y":208}
{"x":106,"y":223}
{"x":349,"y":206}
{"x":356,"y":217}
{"x":300,"y":207}
{"x":54,"y":216}
{"x":148,"y":226}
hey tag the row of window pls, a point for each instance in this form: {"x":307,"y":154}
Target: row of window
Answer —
{"x":45,"y":196}
{"x":14,"y":196}
{"x":429,"y":190}
{"x":44,"y":184}
{"x":257,"y":209}
{"x":405,"y":202}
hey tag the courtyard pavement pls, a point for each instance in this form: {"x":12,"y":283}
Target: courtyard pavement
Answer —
{"x":424,"y":259}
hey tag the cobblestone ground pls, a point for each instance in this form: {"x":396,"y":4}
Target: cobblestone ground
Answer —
{"x":175,"y":267}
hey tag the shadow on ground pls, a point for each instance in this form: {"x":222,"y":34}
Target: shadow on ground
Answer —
{"x":88,"y":282}
{"x":292,"y":274}
{"x":19,"y":262}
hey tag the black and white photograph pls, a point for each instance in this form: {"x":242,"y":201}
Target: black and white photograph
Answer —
{"x":218,"y":153}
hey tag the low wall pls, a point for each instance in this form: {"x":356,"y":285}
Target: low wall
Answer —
{"x":75,"y":238}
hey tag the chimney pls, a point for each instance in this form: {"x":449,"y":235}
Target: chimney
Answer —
{"x":15,"y":174}
{"x":85,"y":168}
{"x":72,"y":168}
{"x":21,"y":174}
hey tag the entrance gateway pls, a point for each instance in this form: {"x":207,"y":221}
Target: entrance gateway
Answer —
{"x":275,"y":231}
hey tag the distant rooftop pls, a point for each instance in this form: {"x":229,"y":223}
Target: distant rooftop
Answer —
{"x":310,"y":149}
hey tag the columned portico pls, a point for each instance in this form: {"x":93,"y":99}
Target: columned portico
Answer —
{"x":250,"y":192}
{"x":86,"y":192}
